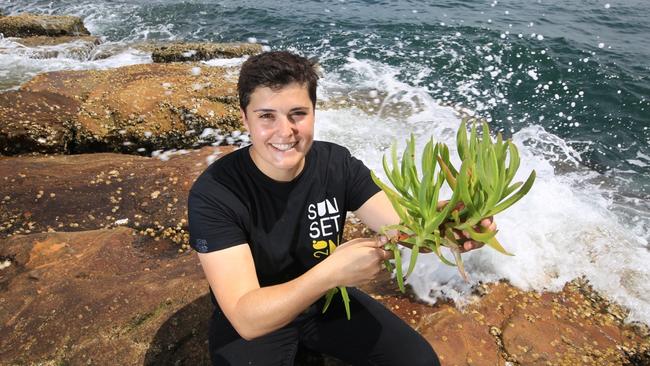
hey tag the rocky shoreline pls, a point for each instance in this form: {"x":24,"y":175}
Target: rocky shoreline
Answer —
{"x":94,"y":262}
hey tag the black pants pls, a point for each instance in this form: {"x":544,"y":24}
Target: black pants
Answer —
{"x":373,"y":336}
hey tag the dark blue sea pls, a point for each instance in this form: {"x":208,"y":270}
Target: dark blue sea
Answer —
{"x":568,"y":81}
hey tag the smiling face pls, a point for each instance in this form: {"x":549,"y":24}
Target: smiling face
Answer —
{"x":281,"y":127}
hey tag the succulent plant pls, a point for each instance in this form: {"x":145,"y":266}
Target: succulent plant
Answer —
{"x":481,"y":188}
{"x":483,"y":184}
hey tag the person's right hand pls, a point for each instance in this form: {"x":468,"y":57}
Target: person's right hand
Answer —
{"x":357,"y":261}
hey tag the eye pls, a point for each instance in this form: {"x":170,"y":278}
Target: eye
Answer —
{"x":298,"y":116}
{"x":266,"y":116}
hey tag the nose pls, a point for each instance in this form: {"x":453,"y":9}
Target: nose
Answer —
{"x":285,"y":126}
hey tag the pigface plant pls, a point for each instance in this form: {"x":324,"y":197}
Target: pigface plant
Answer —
{"x":482,"y":187}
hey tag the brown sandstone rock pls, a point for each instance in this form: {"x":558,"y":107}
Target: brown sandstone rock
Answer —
{"x":36,"y":121}
{"x":168,"y":102}
{"x":27,"y":25}
{"x":174,"y":52}
{"x":100,"y":297}
{"x":93,"y":191}
{"x":509,"y":326}
{"x":150,"y":106}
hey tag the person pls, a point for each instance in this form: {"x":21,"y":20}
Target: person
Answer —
{"x":267,"y":221}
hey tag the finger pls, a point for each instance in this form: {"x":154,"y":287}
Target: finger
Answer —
{"x":476,"y":244}
{"x":383,"y":254}
{"x":471,"y":245}
{"x":486,"y":222}
{"x":381,"y":241}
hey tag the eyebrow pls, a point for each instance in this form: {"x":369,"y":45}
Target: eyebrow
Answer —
{"x":273,"y":110}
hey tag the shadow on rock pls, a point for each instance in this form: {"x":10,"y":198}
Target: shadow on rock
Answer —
{"x":183,"y":338}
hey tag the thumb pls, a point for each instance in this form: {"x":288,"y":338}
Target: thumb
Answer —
{"x":381,"y":241}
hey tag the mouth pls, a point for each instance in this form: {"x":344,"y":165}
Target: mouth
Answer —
{"x":284,"y":147}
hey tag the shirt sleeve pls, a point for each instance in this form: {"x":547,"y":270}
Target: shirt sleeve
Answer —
{"x":359,"y":184}
{"x":216,"y":218}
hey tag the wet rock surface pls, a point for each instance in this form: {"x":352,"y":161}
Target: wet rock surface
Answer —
{"x":37,"y":41}
{"x":42,"y":47}
{"x":27,"y":25}
{"x":79,"y":284}
{"x":146,"y":107}
{"x":198,"y":51}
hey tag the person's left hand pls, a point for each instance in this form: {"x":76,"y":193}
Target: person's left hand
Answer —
{"x":487,"y":224}
{"x":463,"y":237}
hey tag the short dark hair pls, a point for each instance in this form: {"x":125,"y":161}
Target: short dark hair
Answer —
{"x":275,"y":70}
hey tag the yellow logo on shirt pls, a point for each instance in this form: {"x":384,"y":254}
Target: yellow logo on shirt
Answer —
{"x":323,"y":248}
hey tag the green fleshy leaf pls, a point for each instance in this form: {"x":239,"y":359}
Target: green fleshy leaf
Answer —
{"x":511,"y":189}
{"x":513,"y":164}
{"x":480,"y":236}
{"x":515,"y":197}
{"x":346,"y":300}
{"x":459,"y":264}
{"x":494,"y":243}
{"x":398,"y":269}
{"x":415,"y":250}
{"x":328,"y":298}
{"x":451,"y":179}
{"x":461,"y":140}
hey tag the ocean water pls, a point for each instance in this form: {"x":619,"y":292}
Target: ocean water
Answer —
{"x":569,"y":83}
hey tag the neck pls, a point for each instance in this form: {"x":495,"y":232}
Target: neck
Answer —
{"x":279,"y":175}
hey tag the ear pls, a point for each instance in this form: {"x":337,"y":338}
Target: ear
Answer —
{"x":244,"y":119}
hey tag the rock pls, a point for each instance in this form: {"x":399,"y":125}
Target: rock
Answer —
{"x":37,"y":41}
{"x":174,"y":52}
{"x":105,"y":297}
{"x":151,"y":106}
{"x":157,"y":106}
{"x":100,"y":297}
{"x":509,"y":326}
{"x":36,"y":121}
{"x":120,"y":293}
{"x":27,"y":25}
{"x":40,"y":47}
{"x":95,"y":191}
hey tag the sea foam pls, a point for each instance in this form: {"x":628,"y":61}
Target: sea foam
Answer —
{"x":564,"y":228}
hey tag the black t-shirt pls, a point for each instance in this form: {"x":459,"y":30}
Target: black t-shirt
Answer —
{"x":289,"y":226}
